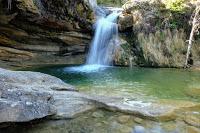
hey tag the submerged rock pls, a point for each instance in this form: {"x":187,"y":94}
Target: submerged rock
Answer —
{"x":191,"y":129}
{"x":123,"y":119}
{"x":98,"y":114}
{"x":138,"y":120}
{"x":116,"y":127}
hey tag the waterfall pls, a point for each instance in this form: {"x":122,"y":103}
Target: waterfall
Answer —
{"x":104,"y":43}
{"x":40,"y":6}
{"x":9,"y":4}
{"x":105,"y":39}
{"x":93,"y":4}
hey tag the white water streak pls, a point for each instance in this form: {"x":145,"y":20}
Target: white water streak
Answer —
{"x":9,"y":4}
{"x":105,"y":39}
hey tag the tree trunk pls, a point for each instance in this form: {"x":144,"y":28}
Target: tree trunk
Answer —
{"x":189,"y":46}
{"x":194,"y":26}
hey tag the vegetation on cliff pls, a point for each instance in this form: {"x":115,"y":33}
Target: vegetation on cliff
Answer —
{"x":157,"y":32}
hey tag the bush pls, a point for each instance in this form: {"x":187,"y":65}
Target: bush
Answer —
{"x":175,"y":5}
{"x":118,"y":3}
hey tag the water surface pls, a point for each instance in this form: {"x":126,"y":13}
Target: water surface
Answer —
{"x":138,"y":83}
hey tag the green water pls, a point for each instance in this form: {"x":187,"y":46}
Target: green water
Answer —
{"x":137,"y":83}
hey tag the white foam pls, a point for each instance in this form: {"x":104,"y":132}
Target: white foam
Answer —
{"x":136,"y":103}
{"x":86,"y":68}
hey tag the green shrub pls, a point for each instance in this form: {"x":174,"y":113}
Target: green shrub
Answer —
{"x":117,"y":3}
{"x":175,"y":5}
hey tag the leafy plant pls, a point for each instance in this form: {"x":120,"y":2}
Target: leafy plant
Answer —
{"x":175,"y":5}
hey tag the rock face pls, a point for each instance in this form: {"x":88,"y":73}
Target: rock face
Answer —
{"x":157,"y":32}
{"x":41,"y":32}
{"x":60,"y":14}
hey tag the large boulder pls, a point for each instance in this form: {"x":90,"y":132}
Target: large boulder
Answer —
{"x":26,"y":96}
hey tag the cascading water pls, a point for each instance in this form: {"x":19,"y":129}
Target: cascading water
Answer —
{"x":105,"y":40}
{"x":9,"y":4}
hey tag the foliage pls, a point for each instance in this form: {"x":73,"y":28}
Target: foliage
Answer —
{"x":173,"y":25}
{"x":175,"y":5}
{"x":118,"y":3}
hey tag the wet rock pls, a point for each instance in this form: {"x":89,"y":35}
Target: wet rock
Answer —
{"x":123,"y":119}
{"x":192,"y":120}
{"x":123,"y":54}
{"x":169,"y":126}
{"x":125,"y":21}
{"x":138,"y":120}
{"x":163,"y":110}
{"x":191,"y":129}
{"x":98,"y":124}
{"x":98,"y":114}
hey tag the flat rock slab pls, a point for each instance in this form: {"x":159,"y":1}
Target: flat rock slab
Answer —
{"x":70,"y":104}
{"x":162,"y":110}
